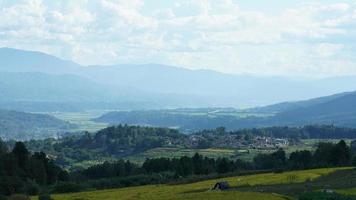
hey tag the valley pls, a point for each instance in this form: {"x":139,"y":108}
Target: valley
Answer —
{"x":84,"y":133}
{"x":178,"y":100}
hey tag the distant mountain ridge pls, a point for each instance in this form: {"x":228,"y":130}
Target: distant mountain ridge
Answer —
{"x":161,"y":86}
{"x":287,"y":106}
{"x":340,"y":111}
{"x":15,"y":60}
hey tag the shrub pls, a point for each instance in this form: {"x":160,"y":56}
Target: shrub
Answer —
{"x":31,"y":188}
{"x":67,"y":187}
{"x":45,"y":197}
{"x":291,"y":178}
{"x":18,"y":197}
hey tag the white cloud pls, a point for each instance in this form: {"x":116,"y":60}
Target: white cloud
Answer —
{"x":304,"y":39}
{"x":327,"y":50}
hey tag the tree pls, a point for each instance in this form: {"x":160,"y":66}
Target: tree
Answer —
{"x":322,"y":154}
{"x":340,"y":154}
{"x":198,"y":166}
{"x":353,"y":147}
{"x":279,"y":157}
{"x":3,"y":148}
{"x":224,"y":165}
{"x":300,"y":159}
{"x":184,"y":166}
{"x":21,"y":153}
{"x":37,"y":171}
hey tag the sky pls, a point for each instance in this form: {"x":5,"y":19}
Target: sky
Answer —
{"x":261,"y":37}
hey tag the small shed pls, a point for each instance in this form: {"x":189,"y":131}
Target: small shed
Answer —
{"x":221,"y":186}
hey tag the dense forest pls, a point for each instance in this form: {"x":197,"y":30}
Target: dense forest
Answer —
{"x":25,"y":172}
{"x":115,"y":142}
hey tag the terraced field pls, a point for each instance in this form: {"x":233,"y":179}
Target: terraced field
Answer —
{"x":201,"y":190}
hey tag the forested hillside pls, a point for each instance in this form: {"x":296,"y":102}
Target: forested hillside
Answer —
{"x":337,"y":110}
{"x":109,"y":143}
{"x":124,"y":141}
{"x":25,"y":126}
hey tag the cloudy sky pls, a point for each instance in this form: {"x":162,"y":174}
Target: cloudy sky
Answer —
{"x":264,"y":37}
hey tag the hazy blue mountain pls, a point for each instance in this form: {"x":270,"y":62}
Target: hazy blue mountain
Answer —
{"x":293,"y":105}
{"x":25,"y":126}
{"x":169,"y":86}
{"x":34,"y":91}
{"x":15,"y":60}
{"x":339,"y":109}
{"x":44,"y":87}
{"x":220,"y":89}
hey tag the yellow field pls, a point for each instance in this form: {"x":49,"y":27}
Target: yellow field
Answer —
{"x":200,"y":190}
{"x":348,"y":191}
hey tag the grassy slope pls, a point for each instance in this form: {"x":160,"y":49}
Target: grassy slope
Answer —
{"x":200,"y":190}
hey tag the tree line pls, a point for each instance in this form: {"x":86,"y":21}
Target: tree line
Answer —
{"x":30,"y":173}
{"x":158,"y":170}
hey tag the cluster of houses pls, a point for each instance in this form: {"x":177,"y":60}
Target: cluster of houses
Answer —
{"x":236,"y":141}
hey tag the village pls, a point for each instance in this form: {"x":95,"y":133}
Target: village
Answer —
{"x":236,"y":141}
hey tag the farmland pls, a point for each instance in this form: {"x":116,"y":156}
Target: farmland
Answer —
{"x":81,"y":119}
{"x":201,"y":190}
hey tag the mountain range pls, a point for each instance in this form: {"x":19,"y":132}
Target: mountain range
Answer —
{"x":28,"y":77}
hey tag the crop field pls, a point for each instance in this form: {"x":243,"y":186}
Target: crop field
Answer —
{"x":215,"y":112}
{"x":179,"y":152}
{"x":201,"y":190}
{"x":243,"y":154}
{"x":84,"y":119}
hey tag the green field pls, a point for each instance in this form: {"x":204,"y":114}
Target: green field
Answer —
{"x":350,"y":191}
{"x":82,"y":119}
{"x":201,"y":190}
{"x":233,"y":154}
{"x":179,"y":152}
{"x":172,"y":152}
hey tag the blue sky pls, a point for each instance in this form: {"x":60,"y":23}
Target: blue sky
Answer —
{"x":262,"y":37}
